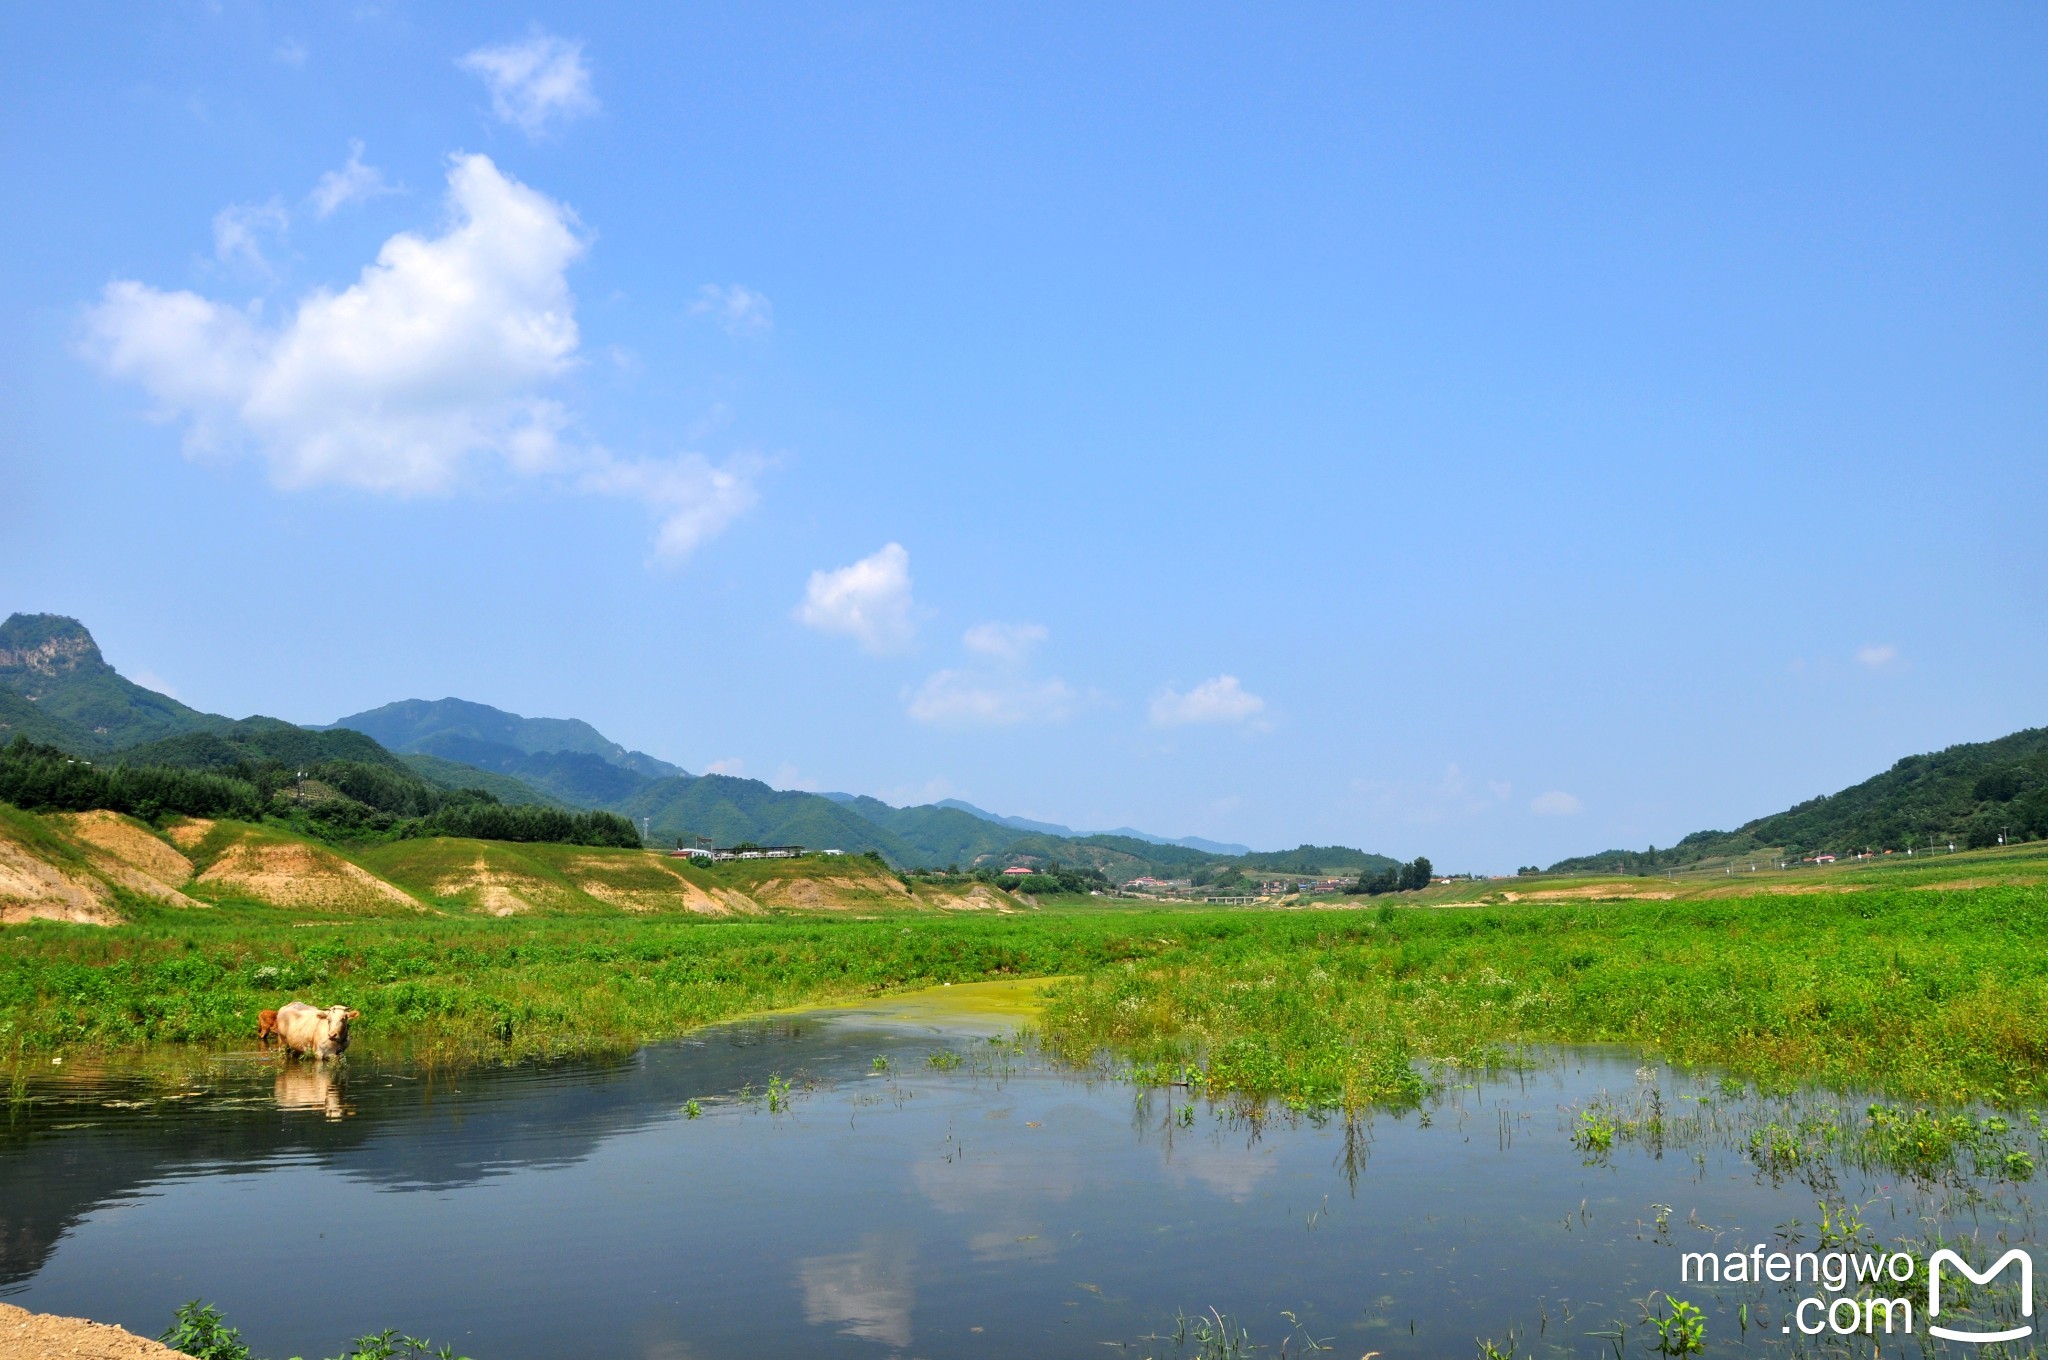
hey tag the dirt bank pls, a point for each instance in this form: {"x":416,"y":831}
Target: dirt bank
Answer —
{"x":44,"y":1336}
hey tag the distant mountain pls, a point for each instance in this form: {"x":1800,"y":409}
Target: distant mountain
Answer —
{"x":573,"y":777}
{"x":938,"y":833}
{"x":729,"y":810}
{"x":1970,"y":795}
{"x":442,"y":726}
{"x":1014,"y":823}
{"x":449,"y":774}
{"x":55,"y":687}
{"x":1186,"y":842}
{"x":1055,"y":829}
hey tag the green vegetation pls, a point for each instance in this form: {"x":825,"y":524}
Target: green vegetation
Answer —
{"x":448,"y":774}
{"x":1683,"y":1331}
{"x":1926,"y":995}
{"x":1930,"y":996}
{"x":238,"y":775}
{"x":199,"y":1330}
{"x":1052,"y":879}
{"x":1410,"y":877}
{"x":1975,"y":795}
{"x":56,"y":687}
{"x":43,"y":778}
{"x":444,"y":727}
{"x":1316,"y":859}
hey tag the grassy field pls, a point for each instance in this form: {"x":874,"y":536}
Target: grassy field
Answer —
{"x":1920,"y":978}
{"x":1925,"y":993}
{"x":2005,"y":866}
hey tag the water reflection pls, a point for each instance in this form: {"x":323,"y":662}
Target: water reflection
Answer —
{"x":311,"y":1086}
{"x":823,"y":1206}
{"x":865,"y":1292}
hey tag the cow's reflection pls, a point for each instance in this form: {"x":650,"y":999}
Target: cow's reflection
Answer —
{"x":311,"y":1086}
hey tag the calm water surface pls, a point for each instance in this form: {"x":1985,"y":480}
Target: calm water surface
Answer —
{"x":1003,"y":1207}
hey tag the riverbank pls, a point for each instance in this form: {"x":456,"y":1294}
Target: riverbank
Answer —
{"x":45,"y":1336}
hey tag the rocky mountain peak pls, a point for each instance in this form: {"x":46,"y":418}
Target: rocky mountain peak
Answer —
{"x":46,"y":646}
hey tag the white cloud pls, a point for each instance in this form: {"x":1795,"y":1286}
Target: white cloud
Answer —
{"x":999,"y":693}
{"x":731,"y":765}
{"x":291,"y":52}
{"x":353,"y":183}
{"x":1877,"y":655}
{"x":1555,"y":804}
{"x":694,"y":498}
{"x":534,"y":82}
{"x":866,"y":1293}
{"x":1218,"y":700}
{"x":868,"y":601}
{"x":1004,"y":641}
{"x":967,"y":699}
{"x":434,"y":364}
{"x":239,"y":232}
{"x":437,"y":352}
{"x":738,"y":308}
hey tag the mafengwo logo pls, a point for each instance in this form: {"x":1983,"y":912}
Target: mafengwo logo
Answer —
{"x":1945,"y":1256}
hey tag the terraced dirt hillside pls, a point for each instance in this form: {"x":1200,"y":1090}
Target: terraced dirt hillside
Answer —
{"x":101,"y":868}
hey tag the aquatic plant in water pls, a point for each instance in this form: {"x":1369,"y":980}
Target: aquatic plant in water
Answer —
{"x":1683,"y":1331}
{"x":198,"y":1330}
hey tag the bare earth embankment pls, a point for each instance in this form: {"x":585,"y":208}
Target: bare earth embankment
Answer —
{"x":44,"y":1336}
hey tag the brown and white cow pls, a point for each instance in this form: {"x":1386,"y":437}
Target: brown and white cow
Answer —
{"x":318,"y":1034}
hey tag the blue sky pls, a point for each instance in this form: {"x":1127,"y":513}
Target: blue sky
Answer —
{"x":1488,"y":432}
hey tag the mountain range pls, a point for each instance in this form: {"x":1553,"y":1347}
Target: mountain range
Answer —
{"x":1055,"y":829}
{"x":57,"y":688}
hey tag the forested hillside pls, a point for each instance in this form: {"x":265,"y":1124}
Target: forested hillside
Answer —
{"x":425,"y":767}
{"x":442,"y":727}
{"x":1970,"y":795}
{"x":56,"y":687}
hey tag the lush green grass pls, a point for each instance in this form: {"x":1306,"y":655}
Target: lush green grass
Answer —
{"x":1928,"y":995}
{"x":493,"y":989}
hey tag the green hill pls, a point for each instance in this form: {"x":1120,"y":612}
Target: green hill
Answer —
{"x":730,"y":810}
{"x":573,"y":777}
{"x":260,"y":741}
{"x":434,"y":726}
{"x":447,"y":774}
{"x":51,"y":667}
{"x":1969,"y":795}
{"x":937,"y":835}
{"x":22,"y":717}
{"x":1317,"y":859}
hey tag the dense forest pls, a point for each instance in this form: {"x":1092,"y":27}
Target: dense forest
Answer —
{"x":335,"y":799}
